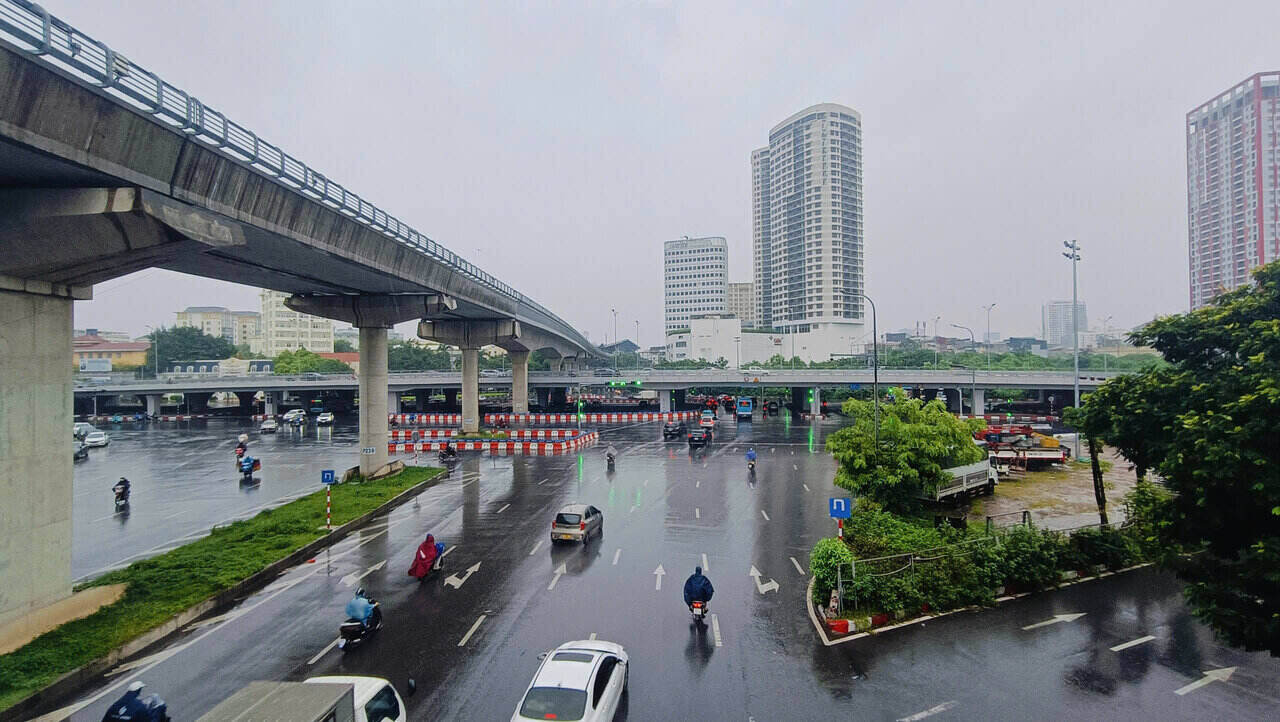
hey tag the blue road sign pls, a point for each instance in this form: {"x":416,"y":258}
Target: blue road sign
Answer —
{"x":841,"y":508}
{"x":327,"y":476}
{"x":854,"y":387}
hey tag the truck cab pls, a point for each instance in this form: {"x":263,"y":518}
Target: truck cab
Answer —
{"x":375,"y":699}
{"x":319,"y":699}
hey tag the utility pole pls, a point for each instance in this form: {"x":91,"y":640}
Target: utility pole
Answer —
{"x":155,"y":346}
{"x":935,"y":341}
{"x":1073,"y":255}
{"x":988,"y":338}
{"x":973,"y":375}
{"x":639,"y":346}
{"x":875,"y":372}
{"x":1105,"y":322}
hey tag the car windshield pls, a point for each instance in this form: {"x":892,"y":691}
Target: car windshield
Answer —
{"x":568,"y":519}
{"x":554,"y":703}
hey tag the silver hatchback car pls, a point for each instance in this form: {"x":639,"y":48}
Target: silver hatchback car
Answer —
{"x":577,"y":522}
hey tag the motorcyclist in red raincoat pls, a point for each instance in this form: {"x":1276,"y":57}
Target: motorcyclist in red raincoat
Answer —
{"x":425,"y":558}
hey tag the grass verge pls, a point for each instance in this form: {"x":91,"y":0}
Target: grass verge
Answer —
{"x":165,"y":585}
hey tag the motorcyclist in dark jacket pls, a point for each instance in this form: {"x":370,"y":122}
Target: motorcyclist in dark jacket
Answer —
{"x":133,"y":708}
{"x":697,"y":588}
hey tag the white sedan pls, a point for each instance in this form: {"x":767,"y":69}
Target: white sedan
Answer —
{"x":325,"y":417}
{"x":583,"y":680}
{"x":97,"y":438}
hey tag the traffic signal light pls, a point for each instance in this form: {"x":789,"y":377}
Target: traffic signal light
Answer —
{"x":810,"y":395}
{"x":639,"y":382}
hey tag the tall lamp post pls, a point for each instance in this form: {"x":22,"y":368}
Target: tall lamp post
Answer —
{"x":973,"y":375}
{"x":988,"y":337}
{"x":615,"y":337}
{"x":638,"y":345}
{"x":875,"y":366}
{"x":1105,"y":322}
{"x":935,"y":340}
{"x":1073,"y":254}
{"x":155,"y":346}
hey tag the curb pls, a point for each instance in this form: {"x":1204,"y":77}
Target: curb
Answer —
{"x":77,"y":679}
{"x":878,"y":622}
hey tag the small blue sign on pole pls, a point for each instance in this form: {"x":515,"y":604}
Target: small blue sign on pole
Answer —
{"x":327,"y":476}
{"x":841,"y":507}
{"x":854,"y":387}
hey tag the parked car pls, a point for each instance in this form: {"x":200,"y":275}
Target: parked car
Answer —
{"x":270,"y":426}
{"x":583,"y":680}
{"x":325,"y":418}
{"x":97,"y":438}
{"x":81,"y":452}
{"x":605,"y":372}
{"x":491,"y":372}
{"x":577,"y":522}
{"x":674,"y":430}
{"x":699,"y":437}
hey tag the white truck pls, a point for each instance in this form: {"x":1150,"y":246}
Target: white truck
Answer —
{"x":319,"y":699}
{"x":967,"y":480}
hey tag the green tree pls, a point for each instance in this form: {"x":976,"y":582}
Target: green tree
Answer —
{"x":1086,"y":422}
{"x":1209,"y":424}
{"x":917,"y":441}
{"x":342,"y":345}
{"x":405,"y":356}
{"x":303,"y":361}
{"x":186,"y":343}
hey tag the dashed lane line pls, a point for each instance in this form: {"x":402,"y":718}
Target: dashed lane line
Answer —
{"x":536,"y":547}
{"x":798,"y":567}
{"x":697,"y":513}
{"x":1134,"y":643}
{"x":938,"y":709}
{"x":593,"y":636}
{"x":324,"y":651}
{"x":705,"y":566}
{"x":467,"y":637}
{"x":806,"y":486}
{"x":765,"y":515}
{"x":504,"y":508}
{"x":715,"y":630}
{"x":617,"y":553}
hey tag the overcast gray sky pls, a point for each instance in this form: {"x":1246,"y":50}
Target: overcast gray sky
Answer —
{"x":558,"y":146}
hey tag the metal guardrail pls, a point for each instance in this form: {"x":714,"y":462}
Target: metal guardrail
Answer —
{"x":56,"y":43}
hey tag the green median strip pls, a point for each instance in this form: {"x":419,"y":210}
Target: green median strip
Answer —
{"x":167,"y":584}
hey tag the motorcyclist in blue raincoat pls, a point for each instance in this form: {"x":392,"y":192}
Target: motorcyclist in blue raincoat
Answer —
{"x":697,"y":588}
{"x":360,"y":607}
{"x":751,"y":454}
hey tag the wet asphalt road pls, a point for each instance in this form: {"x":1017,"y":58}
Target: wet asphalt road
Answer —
{"x":665,"y":505}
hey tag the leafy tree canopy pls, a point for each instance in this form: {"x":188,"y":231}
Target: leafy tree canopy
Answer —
{"x":918,"y":441}
{"x":186,"y":343}
{"x":303,"y":361}
{"x":341,"y":345}
{"x":1209,"y":424}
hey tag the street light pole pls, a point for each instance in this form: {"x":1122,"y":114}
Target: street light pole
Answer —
{"x":155,"y":346}
{"x":875,"y":367}
{"x":1105,"y":321}
{"x":988,"y":338}
{"x":615,"y":337}
{"x":973,"y":375}
{"x":639,"y":346}
{"x":935,"y":341}
{"x":1073,"y":255}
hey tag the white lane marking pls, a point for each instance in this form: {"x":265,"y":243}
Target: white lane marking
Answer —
{"x":351,"y":579}
{"x":455,"y":581}
{"x":657,"y":578}
{"x":697,"y":513}
{"x":806,"y":486}
{"x":504,"y":508}
{"x":929,"y":712}
{"x":448,"y":551}
{"x":646,"y":483}
{"x":798,"y":567}
{"x":560,"y":572}
{"x":153,"y":659}
{"x":184,"y":511}
{"x":536,"y":547}
{"x":763,"y":514}
{"x":466,"y":637}
{"x":540,"y":483}
{"x":1134,"y":643}
{"x":697,"y":484}
{"x":617,"y":553}
{"x":324,"y":651}
{"x":769,"y":586}
{"x":1210,"y":675}
{"x":794,"y":467}
{"x":593,"y":636}
{"x":1056,"y":619}
{"x":705,"y":566}
{"x":715,"y":630}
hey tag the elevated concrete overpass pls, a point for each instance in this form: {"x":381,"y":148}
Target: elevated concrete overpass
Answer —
{"x":106,"y":169}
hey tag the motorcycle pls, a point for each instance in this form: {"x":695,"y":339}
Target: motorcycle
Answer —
{"x":353,"y":632}
{"x":608,"y":460}
{"x":699,"y":612}
{"x":448,"y":455}
{"x":751,"y":466}
{"x":247,"y":465}
{"x":122,"y":496}
{"x":436,"y":565}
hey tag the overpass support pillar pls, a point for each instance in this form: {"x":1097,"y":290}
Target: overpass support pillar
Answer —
{"x":246,"y":400}
{"x":197,"y":403}
{"x":815,"y":403}
{"x":664,"y":401}
{"x":979,"y":402}
{"x":153,"y":402}
{"x":393,"y":402}
{"x":35,"y":394}
{"x":470,"y":390}
{"x":544,"y":399}
{"x":270,"y":403}
{"x":451,"y":398}
{"x":519,"y":381}
{"x":559,"y":397}
{"x":373,"y":398}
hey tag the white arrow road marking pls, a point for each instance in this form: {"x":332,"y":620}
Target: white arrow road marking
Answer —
{"x":646,"y":483}
{"x":1212,"y":675}
{"x":535,"y":548}
{"x":324,"y":651}
{"x":455,"y":581}
{"x":763,"y":514}
{"x":351,"y":579}
{"x":448,"y":551}
{"x":769,"y":586}
{"x":593,"y":636}
{"x":798,"y":567}
{"x":504,"y":508}
{"x":705,"y":566}
{"x":155,"y":658}
{"x":471,"y":631}
{"x":632,"y":509}
{"x":657,"y":578}
{"x":929,"y":712}
{"x":806,"y":486}
{"x":560,"y":572}
{"x":715,"y":630}
{"x":617,"y":553}
{"x":1134,"y":643}
{"x":697,"y":513}
{"x":1055,"y":620}
{"x":794,"y":467}
{"x":697,"y":484}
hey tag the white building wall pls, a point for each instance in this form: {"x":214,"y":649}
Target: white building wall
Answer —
{"x":284,"y":329}
{"x":695,"y":276}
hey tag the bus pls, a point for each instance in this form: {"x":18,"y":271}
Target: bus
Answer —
{"x":744,"y":408}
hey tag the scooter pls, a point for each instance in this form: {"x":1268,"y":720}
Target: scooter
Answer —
{"x":122,"y":497}
{"x":751,"y":466}
{"x":608,"y":460}
{"x":699,"y":612}
{"x":247,"y":465}
{"x":448,"y":455}
{"x":437,"y":564}
{"x":352,"y":632}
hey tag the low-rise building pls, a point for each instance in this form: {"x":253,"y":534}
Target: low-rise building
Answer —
{"x":121,"y":353}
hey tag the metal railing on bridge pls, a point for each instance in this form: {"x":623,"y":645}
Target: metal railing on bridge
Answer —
{"x":58,"y":44}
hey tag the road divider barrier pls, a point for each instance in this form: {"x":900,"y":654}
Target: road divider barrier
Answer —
{"x":496,"y":446}
{"x":596,"y":418}
{"x":1011,"y":418}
